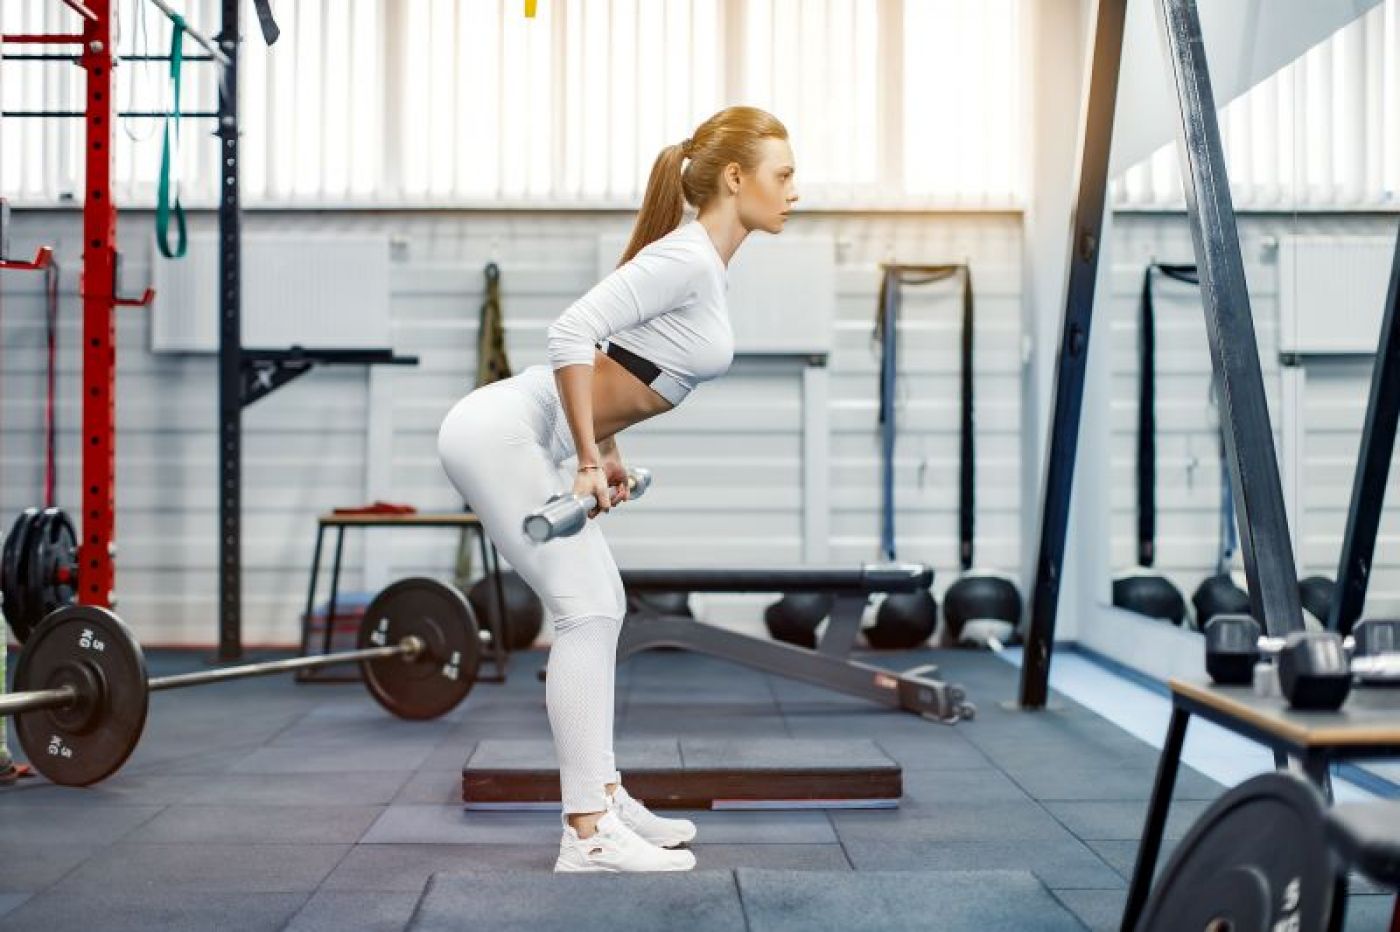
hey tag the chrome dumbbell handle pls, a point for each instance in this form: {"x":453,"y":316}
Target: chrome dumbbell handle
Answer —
{"x":567,"y":514}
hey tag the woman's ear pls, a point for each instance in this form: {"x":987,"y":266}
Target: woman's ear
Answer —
{"x":731,"y":177}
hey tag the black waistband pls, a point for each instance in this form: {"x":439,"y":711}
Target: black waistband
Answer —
{"x":644,"y":369}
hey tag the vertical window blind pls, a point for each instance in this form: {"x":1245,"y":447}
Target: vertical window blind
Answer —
{"x":1322,"y":133}
{"x":468,"y":103}
{"x":460,"y":103}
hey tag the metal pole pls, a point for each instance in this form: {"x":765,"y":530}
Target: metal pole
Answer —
{"x":1372,"y":467}
{"x":230,"y":353}
{"x":15,"y":703}
{"x":1234,"y":350}
{"x":98,"y":288}
{"x":409,"y":648}
{"x":1091,"y":182}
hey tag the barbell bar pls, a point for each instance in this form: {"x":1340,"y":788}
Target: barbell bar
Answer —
{"x":82,"y":690}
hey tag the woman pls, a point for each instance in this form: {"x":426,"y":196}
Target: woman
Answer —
{"x":664,"y":317}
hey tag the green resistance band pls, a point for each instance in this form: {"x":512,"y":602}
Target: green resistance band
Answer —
{"x":170,"y":154}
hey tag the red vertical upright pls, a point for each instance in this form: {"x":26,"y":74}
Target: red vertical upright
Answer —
{"x":98,"y":290}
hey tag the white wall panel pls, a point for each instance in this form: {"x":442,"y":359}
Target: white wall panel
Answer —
{"x":729,"y":462}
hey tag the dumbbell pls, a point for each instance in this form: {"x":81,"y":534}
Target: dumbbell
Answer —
{"x":1315,"y":669}
{"x":565,"y":515}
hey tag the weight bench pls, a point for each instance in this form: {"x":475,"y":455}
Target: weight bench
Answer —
{"x":829,"y":665}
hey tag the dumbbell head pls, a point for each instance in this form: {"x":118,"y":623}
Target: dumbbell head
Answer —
{"x":1232,"y":649}
{"x":1375,"y":636}
{"x":1313,"y":670}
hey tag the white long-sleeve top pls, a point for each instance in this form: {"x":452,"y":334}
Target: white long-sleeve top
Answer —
{"x":667,"y":305}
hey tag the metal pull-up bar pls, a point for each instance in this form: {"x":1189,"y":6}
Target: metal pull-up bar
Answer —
{"x":77,"y":6}
{"x":209,"y":45}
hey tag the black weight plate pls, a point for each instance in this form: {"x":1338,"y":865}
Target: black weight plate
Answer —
{"x":51,"y":564}
{"x":12,"y":588}
{"x":437,"y":680}
{"x":1257,"y":860}
{"x":89,"y":647}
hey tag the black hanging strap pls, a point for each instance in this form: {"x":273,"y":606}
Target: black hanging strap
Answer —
{"x":269,"y":25}
{"x":886,"y":329}
{"x":1147,"y":407}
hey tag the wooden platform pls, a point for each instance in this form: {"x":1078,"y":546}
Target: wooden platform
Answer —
{"x":698,"y":774}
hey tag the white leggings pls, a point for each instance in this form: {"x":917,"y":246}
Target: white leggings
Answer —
{"x":502,"y":446}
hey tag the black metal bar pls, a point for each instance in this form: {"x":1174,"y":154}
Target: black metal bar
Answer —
{"x":1091,"y":183}
{"x":311,"y":590}
{"x":1234,"y":351}
{"x":409,"y":647}
{"x":1372,"y":467}
{"x":843,"y":627}
{"x":1156,"y":824}
{"x":329,"y":631}
{"x":1337,"y":919}
{"x":78,"y":114}
{"x":15,"y":703}
{"x":266,"y":370}
{"x":1317,"y":765}
{"x":491,"y":565}
{"x":331,"y":356}
{"x":230,"y":351}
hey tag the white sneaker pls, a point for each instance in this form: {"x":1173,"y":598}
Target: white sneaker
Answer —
{"x":616,"y":848}
{"x":664,"y":833}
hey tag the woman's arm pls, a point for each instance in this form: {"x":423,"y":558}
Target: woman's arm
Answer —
{"x":575,"y":385}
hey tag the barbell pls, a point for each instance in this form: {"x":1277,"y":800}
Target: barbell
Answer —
{"x":565,"y":515}
{"x":82,"y":690}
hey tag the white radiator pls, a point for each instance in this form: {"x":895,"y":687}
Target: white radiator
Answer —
{"x":315,"y":290}
{"x":782,"y":291}
{"x":1332,"y":292}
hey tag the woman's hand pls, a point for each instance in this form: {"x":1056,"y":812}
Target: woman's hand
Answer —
{"x":593,"y":481}
{"x":616,"y":473}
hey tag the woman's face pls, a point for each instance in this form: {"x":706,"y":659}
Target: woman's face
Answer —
{"x":766,"y":195}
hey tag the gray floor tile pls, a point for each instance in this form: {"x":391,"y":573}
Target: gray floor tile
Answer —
{"x":985,"y":901}
{"x":696,"y":900}
{"x":1369,"y":913}
{"x":1119,"y":783}
{"x":1121,"y":855}
{"x":337,"y":911}
{"x":369,"y":759}
{"x":205,"y":868}
{"x":1119,"y":820}
{"x":405,"y":868}
{"x":760,"y":827}
{"x":933,"y":787}
{"x":922,"y":752}
{"x":83,"y":823}
{"x":438,"y":787}
{"x":1100,"y":910}
{"x":1001,"y":821}
{"x":27,"y":867}
{"x":1062,"y":863}
{"x":9,"y":902}
{"x":301,"y":789}
{"x":248,"y":825}
{"x":777,"y":857}
{"x":451,"y":825}
{"x":153,"y":908}
{"x":125,"y":788}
